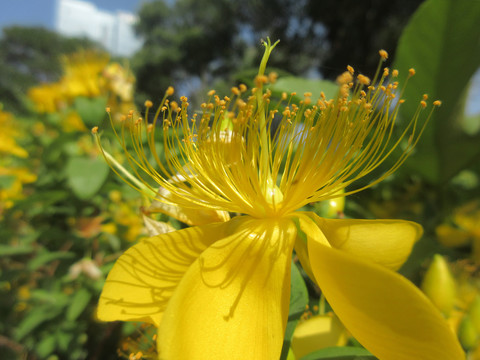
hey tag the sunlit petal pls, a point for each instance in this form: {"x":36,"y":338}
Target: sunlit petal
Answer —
{"x":233,"y":301}
{"x":384,"y":242}
{"x":382,"y":310}
{"x":145,"y":276}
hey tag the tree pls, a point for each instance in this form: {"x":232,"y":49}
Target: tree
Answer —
{"x":29,"y":55}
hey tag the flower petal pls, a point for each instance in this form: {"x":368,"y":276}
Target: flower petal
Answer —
{"x":384,"y":242}
{"x":233,"y":301}
{"x":145,"y":276}
{"x":306,"y":228}
{"x":383,"y":310}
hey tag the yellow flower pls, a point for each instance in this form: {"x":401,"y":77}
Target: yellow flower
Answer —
{"x":8,"y":144}
{"x":221,"y":290}
{"x":466,"y":231}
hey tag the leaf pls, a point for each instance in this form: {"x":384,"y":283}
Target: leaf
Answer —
{"x":340,"y":353}
{"x":10,"y":250}
{"x":441,"y":43}
{"x":79,"y":303}
{"x":46,"y":346}
{"x":86,"y":176}
{"x":92,"y":111}
{"x":298,"y":304}
{"x":35,"y":318}
{"x":299,"y":85}
{"x":46,"y":257}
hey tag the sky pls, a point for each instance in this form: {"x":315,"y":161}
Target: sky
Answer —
{"x":42,"y":12}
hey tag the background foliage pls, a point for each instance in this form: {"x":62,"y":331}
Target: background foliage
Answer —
{"x":65,"y":217}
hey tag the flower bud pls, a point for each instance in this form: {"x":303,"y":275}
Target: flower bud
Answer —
{"x":467,"y":334}
{"x":439,"y":285}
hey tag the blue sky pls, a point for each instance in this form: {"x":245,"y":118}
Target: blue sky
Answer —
{"x":42,"y":12}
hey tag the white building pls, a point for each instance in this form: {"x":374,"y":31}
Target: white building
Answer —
{"x":113,"y":30}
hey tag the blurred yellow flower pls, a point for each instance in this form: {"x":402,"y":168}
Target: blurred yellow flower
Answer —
{"x":465,"y":229}
{"x":222,"y":290}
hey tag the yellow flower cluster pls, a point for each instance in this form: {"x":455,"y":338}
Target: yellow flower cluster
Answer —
{"x":85,"y":74}
{"x":12,"y":176}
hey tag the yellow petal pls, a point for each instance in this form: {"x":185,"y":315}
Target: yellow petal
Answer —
{"x":186,"y":215}
{"x":317,"y":333}
{"x":383,"y":310}
{"x":452,"y":237}
{"x":142,"y":280}
{"x":307,"y":228}
{"x":384,"y":242}
{"x":233,"y":301}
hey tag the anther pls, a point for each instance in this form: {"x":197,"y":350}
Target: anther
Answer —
{"x":383,"y":54}
{"x":170,"y":91}
{"x":95,"y":130}
{"x":148,"y":104}
{"x":437,"y":103}
{"x":107,"y":109}
{"x":411,"y":71}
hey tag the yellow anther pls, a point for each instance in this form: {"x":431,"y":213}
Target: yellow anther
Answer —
{"x":123,"y":118}
{"x":272,"y":77}
{"x":363,"y":93}
{"x":423,"y":104}
{"x":411,"y":71}
{"x":95,"y":130}
{"x":401,"y":101}
{"x":437,"y":103}
{"x":235,"y":91}
{"x":350,"y":69}
{"x":307,"y":94}
{"x":226,"y":98}
{"x":174,"y":106}
{"x":242,"y":87}
{"x":148,"y":104}
{"x":395,"y":73}
{"x":284,"y":96}
{"x":107,"y":109}
{"x":260,"y":80}
{"x":211,"y":92}
{"x":386,"y":71}
{"x":425,"y":96}
{"x":184,"y":99}
{"x":170,"y":91}
{"x":308,"y":101}
{"x":344,"y":78}
{"x":362,"y":79}
{"x":150,"y":128}
{"x":383,"y":54}
{"x":293,"y":93}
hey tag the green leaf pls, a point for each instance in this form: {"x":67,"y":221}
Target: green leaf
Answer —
{"x":46,"y":346}
{"x":35,"y":318}
{"x":46,"y":257}
{"x":441,"y":43}
{"x":79,"y":303}
{"x":92,"y":111}
{"x":10,"y":250}
{"x":298,"y":304}
{"x":86,"y":176}
{"x":299,"y":85}
{"x":340,"y":353}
